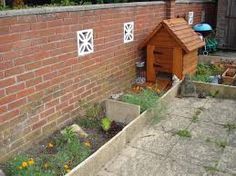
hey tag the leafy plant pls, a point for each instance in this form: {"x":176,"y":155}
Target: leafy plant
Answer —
{"x":25,"y":165}
{"x":204,"y":71}
{"x":67,"y":136}
{"x":92,"y":110}
{"x":88,"y":123}
{"x":68,"y":154}
{"x":146,"y":99}
{"x":106,"y":123}
{"x":184,"y":133}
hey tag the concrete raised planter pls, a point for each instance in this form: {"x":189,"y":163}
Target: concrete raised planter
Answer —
{"x":98,"y":159}
{"x":221,"y":91}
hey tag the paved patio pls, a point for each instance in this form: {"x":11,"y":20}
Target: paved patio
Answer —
{"x":159,"y":151}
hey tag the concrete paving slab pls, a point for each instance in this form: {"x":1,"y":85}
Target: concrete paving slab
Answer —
{"x":196,"y":152}
{"x":171,"y":167}
{"x":228,"y":160}
{"x":140,"y":164}
{"x":208,"y":131}
{"x":156,"y":141}
{"x":156,"y":151}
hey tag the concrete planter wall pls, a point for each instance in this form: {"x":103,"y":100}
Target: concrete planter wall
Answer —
{"x":221,"y":91}
{"x":94,"y":163}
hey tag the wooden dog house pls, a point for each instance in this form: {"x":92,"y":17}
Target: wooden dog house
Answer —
{"x":172,"y":48}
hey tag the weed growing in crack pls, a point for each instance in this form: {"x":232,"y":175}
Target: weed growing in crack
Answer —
{"x":219,"y":143}
{"x":196,"y":114}
{"x":195,"y":119}
{"x":230,"y":126}
{"x":211,"y":169}
{"x":159,"y":111}
{"x":184,"y":133}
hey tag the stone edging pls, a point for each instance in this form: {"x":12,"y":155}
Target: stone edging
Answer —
{"x":193,"y":1}
{"x":48,"y":10}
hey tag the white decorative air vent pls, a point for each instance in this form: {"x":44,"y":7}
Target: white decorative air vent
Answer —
{"x":190,"y":17}
{"x":85,"y":42}
{"x":128,"y":32}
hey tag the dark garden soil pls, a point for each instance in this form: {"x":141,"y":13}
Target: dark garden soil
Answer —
{"x":96,"y":137}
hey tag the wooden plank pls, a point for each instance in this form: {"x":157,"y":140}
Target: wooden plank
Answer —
{"x":177,"y":67}
{"x":151,"y":74}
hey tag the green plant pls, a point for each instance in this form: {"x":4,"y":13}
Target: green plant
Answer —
{"x":159,"y":111}
{"x":63,"y":2}
{"x":25,"y":165}
{"x":195,"y":119}
{"x":204,"y":71}
{"x":230,"y":126}
{"x":67,"y":136}
{"x":211,"y":169}
{"x":88,"y":123}
{"x":68,"y":154}
{"x":106,"y":124}
{"x":221,"y":143}
{"x":213,"y":94}
{"x":196,"y":114}
{"x":146,"y":99}
{"x":92,"y":110}
{"x":184,"y":133}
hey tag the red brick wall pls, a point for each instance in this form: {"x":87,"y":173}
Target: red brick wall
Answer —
{"x":42,"y":78}
{"x":181,"y":9}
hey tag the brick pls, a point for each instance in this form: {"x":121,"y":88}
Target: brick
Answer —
{"x":43,"y":71}
{"x":17,"y":103}
{"x":49,"y":127}
{"x":47,"y":113}
{"x":15,"y":88}
{"x":34,"y":81}
{"x":25,"y":92}
{"x":14,"y":71}
{"x":7,"y":99}
{"x":25,"y":76}
{"x":19,"y":27}
{"x":9,"y":115}
{"x":2,"y":110}
{"x":9,"y":38}
{"x":33,"y":65}
{"x":7,"y":82}
{"x":39,"y":124}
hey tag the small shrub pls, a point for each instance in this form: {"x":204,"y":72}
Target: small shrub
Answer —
{"x":106,"y":124}
{"x":88,"y":123}
{"x":67,"y":136}
{"x":92,"y":110}
{"x":184,"y":133}
{"x":204,"y":71}
{"x":146,"y":99}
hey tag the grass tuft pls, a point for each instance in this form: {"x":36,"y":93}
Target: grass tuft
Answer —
{"x":184,"y":133}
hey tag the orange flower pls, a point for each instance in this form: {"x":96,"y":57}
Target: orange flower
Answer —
{"x":87,"y":144}
{"x":31,"y":161}
{"x":68,"y":170}
{"x":24,"y":164}
{"x":66,"y":167}
{"x":50,"y":145}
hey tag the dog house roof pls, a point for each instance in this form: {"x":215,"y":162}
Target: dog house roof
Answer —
{"x":182,"y":33}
